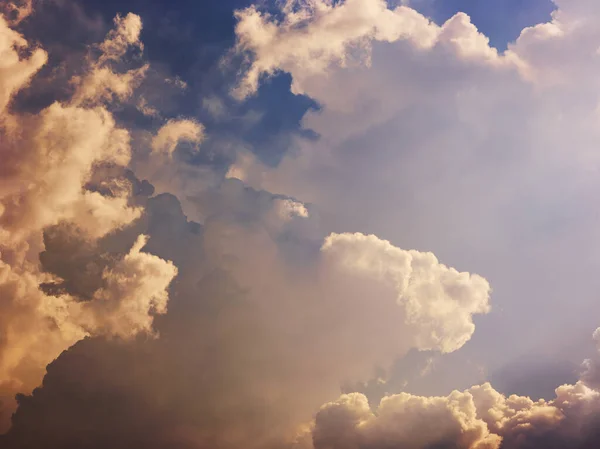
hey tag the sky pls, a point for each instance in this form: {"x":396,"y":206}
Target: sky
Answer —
{"x":300,"y":224}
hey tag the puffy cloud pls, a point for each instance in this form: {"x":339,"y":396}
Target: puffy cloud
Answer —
{"x":429,"y":135}
{"x":47,"y":161}
{"x":320,"y":33}
{"x":37,"y":327}
{"x":34,"y":330}
{"x":403,"y":421}
{"x":124,"y":35}
{"x":271,"y":311}
{"x":65,"y":167}
{"x":271,"y":323}
{"x":312,"y":37}
{"x":447,"y":148}
{"x":439,"y":301}
{"x":48,"y":158}
{"x":134,"y":289}
{"x":288,"y":209}
{"x":175,"y":131}
{"x":15,"y":72}
{"x":477,"y":417}
{"x":100,"y":83}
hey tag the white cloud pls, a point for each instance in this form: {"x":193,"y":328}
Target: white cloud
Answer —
{"x":136,"y":288}
{"x":479,"y":417}
{"x":288,"y":209}
{"x":403,"y":420}
{"x":124,"y":35}
{"x":318,"y":36}
{"x":46,"y":165}
{"x":48,"y":159}
{"x":15,"y":72}
{"x":431,"y":139}
{"x":175,"y":131}
{"x":100,"y":84}
{"x":438,"y":302}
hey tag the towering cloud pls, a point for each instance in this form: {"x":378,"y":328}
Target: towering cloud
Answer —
{"x":50,"y":175}
{"x":431,"y":139}
{"x":255,"y":338}
{"x":441,"y":138}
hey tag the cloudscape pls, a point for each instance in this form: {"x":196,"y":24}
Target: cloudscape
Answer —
{"x":299,"y":224}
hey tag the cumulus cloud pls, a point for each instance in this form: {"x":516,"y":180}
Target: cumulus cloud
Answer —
{"x":268,"y":319}
{"x":445,"y":141}
{"x":439,"y":301}
{"x":101,"y":83}
{"x":403,"y":421}
{"x":275,"y":306}
{"x":287,"y":209}
{"x":175,"y":131}
{"x":291,"y":313}
{"x":51,"y":174}
{"x":15,"y":72}
{"x":124,"y":35}
{"x":37,"y":327}
{"x":314,"y":36}
{"x":479,"y":417}
{"x":134,"y":289}
{"x":486,"y":158}
{"x":48,"y":159}
{"x":318,"y":34}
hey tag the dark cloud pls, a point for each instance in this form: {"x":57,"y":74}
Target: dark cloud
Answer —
{"x":254,"y":339}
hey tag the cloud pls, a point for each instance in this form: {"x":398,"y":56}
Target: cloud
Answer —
{"x":134,"y":289}
{"x":488,"y":161}
{"x":479,"y":417}
{"x":439,"y":301}
{"x":175,"y":131}
{"x":17,"y":11}
{"x":15,"y":73}
{"x":271,"y":323}
{"x":272,"y":305}
{"x":314,"y":37}
{"x":124,"y":35}
{"x":101,"y":83}
{"x":427,"y":134}
{"x":54,"y":172}
{"x":318,"y":34}
{"x":37,"y":327}
{"x":48,"y":159}
{"x":403,"y":421}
